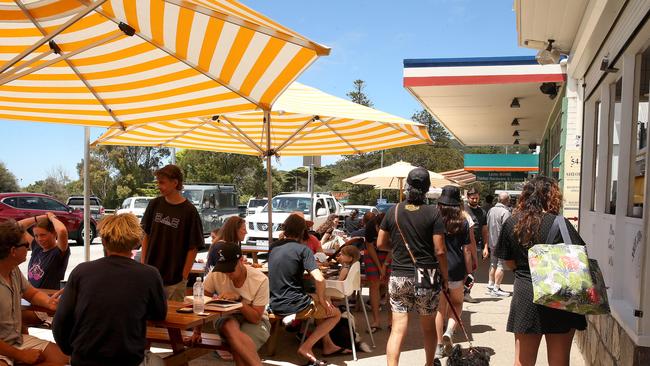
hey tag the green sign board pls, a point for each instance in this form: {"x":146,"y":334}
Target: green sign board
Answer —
{"x":501,"y":176}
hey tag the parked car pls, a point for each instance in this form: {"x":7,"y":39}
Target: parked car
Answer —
{"x":96,"y":208}
{"x":383,"y":207}
{"x":362,"y":209}
{"x":283,"y":205}
{"x":215,"y":203}
{"x":254,"y":203}
{"x":21,"y":205}
{"x":134,"y":205}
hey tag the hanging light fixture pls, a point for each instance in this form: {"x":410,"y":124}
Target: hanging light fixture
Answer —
{"x":516,"y":133}
{"x":515,"y":122}
{"x":516,"y":142}
{"x":515,"y":103}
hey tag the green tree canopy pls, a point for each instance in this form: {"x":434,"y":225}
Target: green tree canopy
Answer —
{"x":8,"y":181}
{"x":357,"y":94}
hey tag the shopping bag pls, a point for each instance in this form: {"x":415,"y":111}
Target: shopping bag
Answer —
{"x":564,"y":277}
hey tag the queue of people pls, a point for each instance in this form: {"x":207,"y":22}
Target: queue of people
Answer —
{"x":413,"y":253}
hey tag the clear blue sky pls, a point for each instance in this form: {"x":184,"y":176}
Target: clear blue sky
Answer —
{"x":369,"y":41}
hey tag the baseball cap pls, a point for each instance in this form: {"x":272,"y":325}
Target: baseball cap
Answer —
{"x":419,"y":178}
{"x":227,"y":256}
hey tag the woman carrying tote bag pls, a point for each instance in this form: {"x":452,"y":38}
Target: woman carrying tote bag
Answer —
{"x":538,"y":205}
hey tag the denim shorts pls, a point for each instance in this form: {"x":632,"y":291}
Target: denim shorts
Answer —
{"x":404,"y":297}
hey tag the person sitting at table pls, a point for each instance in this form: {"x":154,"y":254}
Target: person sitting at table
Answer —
{"x":103,"y":313}
{"x":352,"y":222}
{"x":14,"y":346}
{"x":348,"y":255}
{"x":230,"y":279}
{"x":232,"y":231}
{"x":288,"y":260}
{"x":326,"y":230}
{"x":49,"y":259}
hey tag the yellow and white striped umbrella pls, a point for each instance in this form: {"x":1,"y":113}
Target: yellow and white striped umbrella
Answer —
{"x":129,"y":62}
{"x":304,"y":121}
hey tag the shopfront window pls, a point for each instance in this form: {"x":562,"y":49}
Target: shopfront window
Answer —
{"x":614,"y":145}
{"x":596,"y":196}
{"x":641,"y":90}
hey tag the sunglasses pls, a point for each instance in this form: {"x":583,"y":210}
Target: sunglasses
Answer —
{"x":26,"y":245}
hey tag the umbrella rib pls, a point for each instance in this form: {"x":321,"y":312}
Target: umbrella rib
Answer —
{"x":28,"y":63}
{"x":183,"y":133}
{"x":391,"y":125}
{"x":290,"y":138}
{"x":108,"y":38}
{"x":326,"y":124}
{"x":243,"y":135}
{"x":69,"y":63}
{"x":174,"y":55}
{"x":228,"y":131}
{"x":89,"y":7}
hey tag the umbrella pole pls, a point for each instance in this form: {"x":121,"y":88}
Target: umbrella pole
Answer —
{"x":269,"y":177}
{"x":401,"y":189}
{"x":86,"y":232}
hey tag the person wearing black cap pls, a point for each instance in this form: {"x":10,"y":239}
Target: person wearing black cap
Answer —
{"x":231,"y":279}
{"x":459,"y":261}
{"x":422,"y":228}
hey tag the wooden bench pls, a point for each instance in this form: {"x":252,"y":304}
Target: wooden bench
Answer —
{"x":276,"y":325}
{"x":208,"y":340}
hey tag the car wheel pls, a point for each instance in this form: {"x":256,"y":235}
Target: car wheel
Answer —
{"x":80,"y":234}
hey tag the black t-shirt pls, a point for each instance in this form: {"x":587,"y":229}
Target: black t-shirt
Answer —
{"x":455,"y":256}
{"x":102,"y":316}
{"x":480,"y":219}
{"x":46,"y":269}
{"x":418,"y":224}
{"x":288,"y":262}
{"x":173,"y":230}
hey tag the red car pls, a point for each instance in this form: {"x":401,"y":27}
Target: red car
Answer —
{"x":20,"y":205}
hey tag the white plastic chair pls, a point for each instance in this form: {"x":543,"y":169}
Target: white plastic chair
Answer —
{"x":343,"y":290}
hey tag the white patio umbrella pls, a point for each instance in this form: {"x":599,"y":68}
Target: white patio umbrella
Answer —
{"x":394,"y":176}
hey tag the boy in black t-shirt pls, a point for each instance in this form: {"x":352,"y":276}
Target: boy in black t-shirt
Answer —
{"x":423,"y":229}
{"x":173,"y":233}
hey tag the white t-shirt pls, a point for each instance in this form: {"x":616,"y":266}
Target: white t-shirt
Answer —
{"x":254,"y":291}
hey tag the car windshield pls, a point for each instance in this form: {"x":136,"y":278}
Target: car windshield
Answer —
{"x":141,"y":203}
{"x":79,"y":201}
{"x":257,"y":203}
{"x":290,"y":204}
{"x":193,"y":195}
{"x":362,"y":210}
{"x":383,"y":207}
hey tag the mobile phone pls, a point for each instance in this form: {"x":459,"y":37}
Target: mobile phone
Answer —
{"x":184,"y":310}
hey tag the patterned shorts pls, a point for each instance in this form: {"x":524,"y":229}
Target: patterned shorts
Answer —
{"x":404,"y":297}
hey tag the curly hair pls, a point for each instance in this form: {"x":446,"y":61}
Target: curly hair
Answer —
{"x":327,"y":225}
{"x":540,"y":194}
{"x":453,"y":218}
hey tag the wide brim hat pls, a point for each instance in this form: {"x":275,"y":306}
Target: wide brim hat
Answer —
{"x":450,"y":196}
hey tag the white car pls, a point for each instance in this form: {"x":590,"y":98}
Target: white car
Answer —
{"x":134,"y":205}
{"x":254,"y":203}
{"x":283,"y":205}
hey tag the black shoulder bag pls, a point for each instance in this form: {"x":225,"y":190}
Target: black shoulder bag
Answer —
{"x":424,"y":277}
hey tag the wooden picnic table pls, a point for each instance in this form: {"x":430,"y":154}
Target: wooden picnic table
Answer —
{"x":176,"y":324}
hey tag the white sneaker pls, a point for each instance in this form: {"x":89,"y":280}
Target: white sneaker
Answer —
{"x":490,"y":289}
{"x":500,"y":293}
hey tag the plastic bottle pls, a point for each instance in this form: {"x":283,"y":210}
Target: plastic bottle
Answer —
{"x":198,"y":306}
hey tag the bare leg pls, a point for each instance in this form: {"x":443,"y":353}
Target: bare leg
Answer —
{"x":397,"y":332}
{"x":526,"y":347}
{"x":456,"y":297}
{"x":498,"y":277}
{"x":441,"y":318}
{"x":374,"y":302}
{"x":242,"y":345}
{"x":52,"y":354}
{"x":558,"y":347}
{"x":321,"y":331}
{"x":428,"y":325}
{"x":491,"y":273}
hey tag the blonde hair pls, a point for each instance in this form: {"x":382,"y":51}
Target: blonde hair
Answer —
{"x":121,"y":233}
